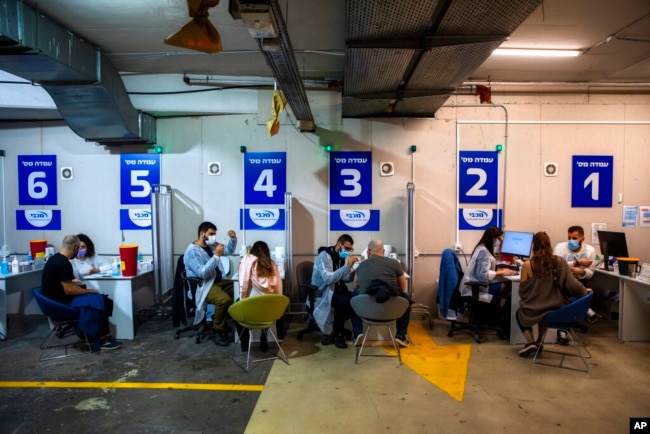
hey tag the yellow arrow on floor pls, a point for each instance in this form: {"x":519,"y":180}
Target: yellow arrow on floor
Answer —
{"x":443,"y":366}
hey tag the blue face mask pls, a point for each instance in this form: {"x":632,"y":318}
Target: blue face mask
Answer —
{"x":82,"y":253}
{"x":343,"y":254}
{"x":574,"y":244}
{"x":497,"y":243}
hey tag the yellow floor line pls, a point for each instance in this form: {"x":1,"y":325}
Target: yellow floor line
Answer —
{"x":444,"y":366}
{"x":125,"y":385}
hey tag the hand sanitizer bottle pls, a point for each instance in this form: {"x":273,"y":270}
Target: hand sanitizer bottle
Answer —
{"x":116,"y":268}
{"x":29,"y":257}
{"x":4,"y":269}
{"x":14,"y":266}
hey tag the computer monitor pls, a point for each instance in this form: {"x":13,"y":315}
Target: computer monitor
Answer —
{"x":516,"y":243}
{"x":612,"y":245}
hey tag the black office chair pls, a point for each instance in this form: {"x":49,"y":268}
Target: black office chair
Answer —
{"x":308,"y":292}
{"x":184,"y":305}
{"x":479,"y":314}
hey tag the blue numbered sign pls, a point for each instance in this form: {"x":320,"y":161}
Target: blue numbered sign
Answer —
{"x":592,"y":181}
{"x":138,"y":172}
{"x":265,"y":178}
{"x":37,"y":180}
{"x":478,"y":176}
{"x":351,"y":177}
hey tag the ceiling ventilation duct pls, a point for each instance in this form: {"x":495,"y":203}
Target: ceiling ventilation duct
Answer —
{"x":265,"y":23}
{"x":83,"y":83}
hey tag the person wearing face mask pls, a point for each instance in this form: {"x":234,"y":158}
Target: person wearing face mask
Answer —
{"x":581,"y":259}
{"x":482,"y":268}
{"x":87,"y":262}
{"x":202,"y":260}
{"x":58,"y":283}
{"x":333,"y":267}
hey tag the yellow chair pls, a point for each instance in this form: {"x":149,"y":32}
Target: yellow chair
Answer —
{"x":257,"y":313}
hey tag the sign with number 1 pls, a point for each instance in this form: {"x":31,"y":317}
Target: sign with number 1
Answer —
{"x":592,"y":181}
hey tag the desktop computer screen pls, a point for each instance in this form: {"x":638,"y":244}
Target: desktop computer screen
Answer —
{"x":612,"y":244}
{"x":517,"y":243}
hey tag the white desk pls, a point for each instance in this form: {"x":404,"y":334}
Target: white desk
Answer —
{"x":634,"y":304}
{"x":16,"y":283}
{"x":516,"y":336}
{"x":130,"y":295}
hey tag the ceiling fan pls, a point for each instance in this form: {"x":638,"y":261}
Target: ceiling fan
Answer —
{"x":199,"y":34}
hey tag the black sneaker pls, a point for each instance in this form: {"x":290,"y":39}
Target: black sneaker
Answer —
{"x":403,"y":341}
{"x":562,"y":338}
{"x":339,"y":342}
{"x":593,"y":318}
{"x":528,"y":349}
{"x":110,"y":344}
{"x":220,"y":340}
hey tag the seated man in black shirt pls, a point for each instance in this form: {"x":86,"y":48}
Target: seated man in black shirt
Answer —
{"x":58,"y":283}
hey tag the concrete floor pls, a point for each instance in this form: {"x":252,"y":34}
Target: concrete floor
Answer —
{"x":321,"y":391}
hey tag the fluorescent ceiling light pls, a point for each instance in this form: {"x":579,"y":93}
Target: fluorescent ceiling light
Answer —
{"x":522,"y":52}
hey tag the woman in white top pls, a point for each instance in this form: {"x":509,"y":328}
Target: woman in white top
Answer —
{"x":87,"y":262}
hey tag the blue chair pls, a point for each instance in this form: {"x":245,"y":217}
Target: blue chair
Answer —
{"x":566,"y":318}
{"x":66,"y":317}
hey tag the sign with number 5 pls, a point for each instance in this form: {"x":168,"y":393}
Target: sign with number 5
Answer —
{"x":138,"y":172}
{"x":265,"y":178}
{"x":37,"y":180}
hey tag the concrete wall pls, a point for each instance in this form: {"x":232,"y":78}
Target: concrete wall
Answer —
{"x":540,"y":129}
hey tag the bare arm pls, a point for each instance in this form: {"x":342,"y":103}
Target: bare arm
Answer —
{"x":74,"y":287}
{"x":526,"y":271}
{"x":401,"y":282}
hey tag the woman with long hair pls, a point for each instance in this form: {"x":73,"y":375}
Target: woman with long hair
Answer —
{"x":546,"y":285}
{"x":482,"y":266}
{"x":258,"y":275}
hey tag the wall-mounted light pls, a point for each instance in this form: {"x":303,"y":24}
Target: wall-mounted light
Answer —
{"x":386,"y":168}
{"x":525,"y":52}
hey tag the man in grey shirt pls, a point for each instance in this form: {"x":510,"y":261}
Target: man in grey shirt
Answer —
{"x":389,"y":271}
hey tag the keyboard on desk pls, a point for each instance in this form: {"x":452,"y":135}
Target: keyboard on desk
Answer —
{"x":508,"y":266}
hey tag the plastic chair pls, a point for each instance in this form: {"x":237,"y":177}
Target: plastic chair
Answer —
{"x":476,"y":310}
{"x":308,"y":291}
{"x":378,"y":314}
{"x":66,"y":318}
{"x":566,"y":318}
{"x":257,"y":313}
